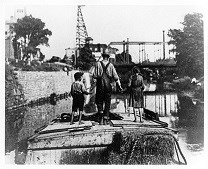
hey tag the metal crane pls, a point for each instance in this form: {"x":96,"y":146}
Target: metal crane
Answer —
{"x":81,"y":30}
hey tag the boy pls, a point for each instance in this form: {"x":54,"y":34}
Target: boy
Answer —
{"x":77,"y":92}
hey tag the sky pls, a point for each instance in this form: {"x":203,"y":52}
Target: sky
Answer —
{"x":107,"y":22}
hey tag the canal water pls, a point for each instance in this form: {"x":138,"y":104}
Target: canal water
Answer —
{"x":190,"y":136}
{"x":26,"y":121}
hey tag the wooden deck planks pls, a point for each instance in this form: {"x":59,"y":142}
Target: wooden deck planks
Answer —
{"x":129,"y":123}
{"x":64,"y":126}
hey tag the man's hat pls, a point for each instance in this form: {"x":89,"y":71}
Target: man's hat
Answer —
{"x":105,"y":55}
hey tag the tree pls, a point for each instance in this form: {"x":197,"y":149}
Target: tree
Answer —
{"x":85,"y":60}
{"x":31,"y":33}
{"x":189,"y":46}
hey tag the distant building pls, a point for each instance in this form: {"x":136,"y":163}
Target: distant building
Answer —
{"x":20,"y":13}
{"x":98,"y":49}
{"x":112,"y":52}
{"x":9,"y":34}
{"x":70,"y":54}
{"x":70,"y":51}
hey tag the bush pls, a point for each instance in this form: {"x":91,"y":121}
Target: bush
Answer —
{"x":38,"y":66}
{"x":28,"y":68}
{"x":182,"y":84}
{"x":48,"y":67}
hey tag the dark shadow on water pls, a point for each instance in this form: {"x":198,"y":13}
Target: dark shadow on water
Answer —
{"x":13,"y":123}
{"x":190,"y":114}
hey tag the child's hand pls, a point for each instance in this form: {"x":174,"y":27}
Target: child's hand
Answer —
{"x":120,"y":88}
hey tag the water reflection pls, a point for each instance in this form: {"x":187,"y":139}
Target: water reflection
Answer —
{"x":164,"y":104}
{"x":21,"y":123}
{"x":38,"y":116}
{"x":14,"y":120}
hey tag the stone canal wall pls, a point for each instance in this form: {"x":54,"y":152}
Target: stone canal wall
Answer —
{"x":22,"y":88}
{"x":43,"y":84}
{"x":14,"y":94}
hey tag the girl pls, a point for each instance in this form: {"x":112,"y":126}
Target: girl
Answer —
{"x":136,"y":85}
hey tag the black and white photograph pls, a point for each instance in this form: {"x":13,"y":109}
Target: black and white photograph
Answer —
{"x":104,"y":83}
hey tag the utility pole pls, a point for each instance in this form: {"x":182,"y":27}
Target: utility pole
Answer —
{"x":124,"y":53}
{"x":127,"y":51}
{"x":164,"y":59}
{"x":139,"y":55}
{"x":124,"y":46}
{"x":163,"y":45}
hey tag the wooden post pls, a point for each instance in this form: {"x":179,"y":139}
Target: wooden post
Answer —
{"x":165,"y":107}
{"x":163,"y":45}
{"x":127,"y":51}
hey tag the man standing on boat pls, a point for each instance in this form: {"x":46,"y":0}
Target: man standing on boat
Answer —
{"x":104,"y":72}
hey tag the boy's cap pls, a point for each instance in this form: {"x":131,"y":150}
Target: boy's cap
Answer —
{"x":77,"y":75}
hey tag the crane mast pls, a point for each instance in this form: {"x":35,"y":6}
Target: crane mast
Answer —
{"x":81,"y":30}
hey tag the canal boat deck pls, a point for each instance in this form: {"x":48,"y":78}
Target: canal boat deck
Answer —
{"x":127,"y":121}
{"x":61,"y":137}
{"x":87,"y":125}
{"x":65,"y":129}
